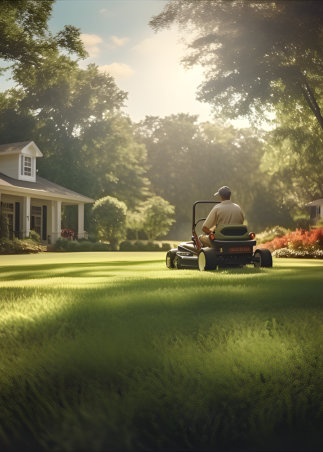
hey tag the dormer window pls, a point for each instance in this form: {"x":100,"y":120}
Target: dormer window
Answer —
{"x":26,"y":166}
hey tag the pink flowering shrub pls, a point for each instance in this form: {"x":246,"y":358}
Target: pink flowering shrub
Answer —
{"x":297,"y":240}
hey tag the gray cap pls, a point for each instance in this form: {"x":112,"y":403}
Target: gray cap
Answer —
{"x":224,"y":192}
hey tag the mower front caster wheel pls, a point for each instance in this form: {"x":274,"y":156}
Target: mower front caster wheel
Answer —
{"x":170,"y":257}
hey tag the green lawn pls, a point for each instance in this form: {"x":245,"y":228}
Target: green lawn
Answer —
{"x":112,"y":351}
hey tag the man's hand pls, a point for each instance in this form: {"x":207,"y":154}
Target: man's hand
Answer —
{"x":206,"y":230}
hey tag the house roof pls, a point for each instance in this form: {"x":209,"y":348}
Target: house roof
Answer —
{"x":18,"y":148}
{"x":317,"y":202}
{"x":42,"y":188}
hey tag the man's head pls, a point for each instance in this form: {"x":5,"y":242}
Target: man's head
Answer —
{"x":224,"y":193}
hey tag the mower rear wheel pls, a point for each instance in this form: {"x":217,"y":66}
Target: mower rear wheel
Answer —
{"x":264,"y":258}
{"x":207,"y":259}
{"x":170,"y":256}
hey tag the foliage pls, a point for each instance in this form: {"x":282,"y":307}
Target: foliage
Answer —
{"x":255,"y":54}
{"x":4,"y":227}
{"x":297,"y":240}
{"x":109,"y":219}
{"x":134,"y":222}
{"x":34,"y":236}
{"x":109,"y":352}
{"x":129,"y":245}
{"x":15,"y":246}
{"x":303,"y":253}
{"x":25,"y":37}
{"x":157,"y":216}
{"x":271,"y":233}
{"x":293,"y":157}
{"x":63,"y":244}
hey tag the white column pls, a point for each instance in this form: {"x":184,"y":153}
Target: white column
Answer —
{"x":26,"y":216}
{"x":80,"y":221}
{"x":59,"y":218}
{"x":56,"y":220}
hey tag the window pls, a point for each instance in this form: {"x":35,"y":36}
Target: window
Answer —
{"x":26,"y":166}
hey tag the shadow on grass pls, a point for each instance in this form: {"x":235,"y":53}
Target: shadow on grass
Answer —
{"x":49,"y":270}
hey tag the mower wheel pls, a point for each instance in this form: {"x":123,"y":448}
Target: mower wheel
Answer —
{"x":207,"y":259}
{"x":264,"y":258}
{"x":177,"y":262}
{"x":170,"y":256}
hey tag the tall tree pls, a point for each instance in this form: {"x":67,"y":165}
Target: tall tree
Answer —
{"x":256,"y":54}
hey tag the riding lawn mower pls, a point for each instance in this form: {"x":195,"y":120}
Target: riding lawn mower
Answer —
{"x":232,"y":246}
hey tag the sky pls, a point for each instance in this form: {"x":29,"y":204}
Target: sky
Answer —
{"x":146,"y":64}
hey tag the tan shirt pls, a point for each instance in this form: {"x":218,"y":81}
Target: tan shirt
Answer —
{"x":224,"y":213}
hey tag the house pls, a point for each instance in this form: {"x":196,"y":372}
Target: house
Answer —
{"x":29,"y":201}
{"x":316,"y":210}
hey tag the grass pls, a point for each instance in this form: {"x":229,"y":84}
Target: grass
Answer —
{"x":112,"y":351}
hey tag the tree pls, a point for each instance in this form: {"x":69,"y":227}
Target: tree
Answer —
{"x":109,"y":219}
{"x":75,"y":119}
{"x":255,"y":54}
{"x":25,"y":37}
{"x":293,"y":158}
{"x":188,"y":161}
{"x":134,"y":222}
{"x":157,"y":216}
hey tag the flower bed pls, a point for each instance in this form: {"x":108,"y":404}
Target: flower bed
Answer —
{"x":299,"y":243}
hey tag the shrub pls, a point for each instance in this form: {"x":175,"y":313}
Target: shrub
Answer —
{"x":300,"y":253}
{"x":4,"y":227}
{"x":16,"y":246}
{"x":63,"y":244}
{"x":109,"y":220}
{"x":127,"y":245}
{"x":300,"y":240}
{"x":139,"y":245}
{"x":166,"y":246}
{"x":271,"y":233}
{"x":34,"y":236}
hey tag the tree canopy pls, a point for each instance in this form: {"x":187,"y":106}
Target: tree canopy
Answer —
{"x":256,"y":54}
{"x":25,"y":37}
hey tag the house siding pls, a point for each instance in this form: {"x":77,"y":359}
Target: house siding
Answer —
{"x":9,"y":165}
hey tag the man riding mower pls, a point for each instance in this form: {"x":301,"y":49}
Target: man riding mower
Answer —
{"x":226,"y":243}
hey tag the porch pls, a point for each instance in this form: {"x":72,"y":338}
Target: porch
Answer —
{"x":44,"y":216}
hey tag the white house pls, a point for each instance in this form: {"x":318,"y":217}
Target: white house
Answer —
{"x":29,"y":201}
{"x":316,"y":210}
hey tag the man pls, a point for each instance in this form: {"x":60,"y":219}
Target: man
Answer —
{"x":224,"y":213}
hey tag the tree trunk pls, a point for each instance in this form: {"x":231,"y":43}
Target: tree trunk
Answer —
{"x":311,"y":101}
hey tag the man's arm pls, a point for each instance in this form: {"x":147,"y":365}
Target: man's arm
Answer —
{"x":210,"y":222}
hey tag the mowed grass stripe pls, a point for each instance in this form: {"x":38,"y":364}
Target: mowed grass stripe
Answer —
{"x":112,"y":351}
